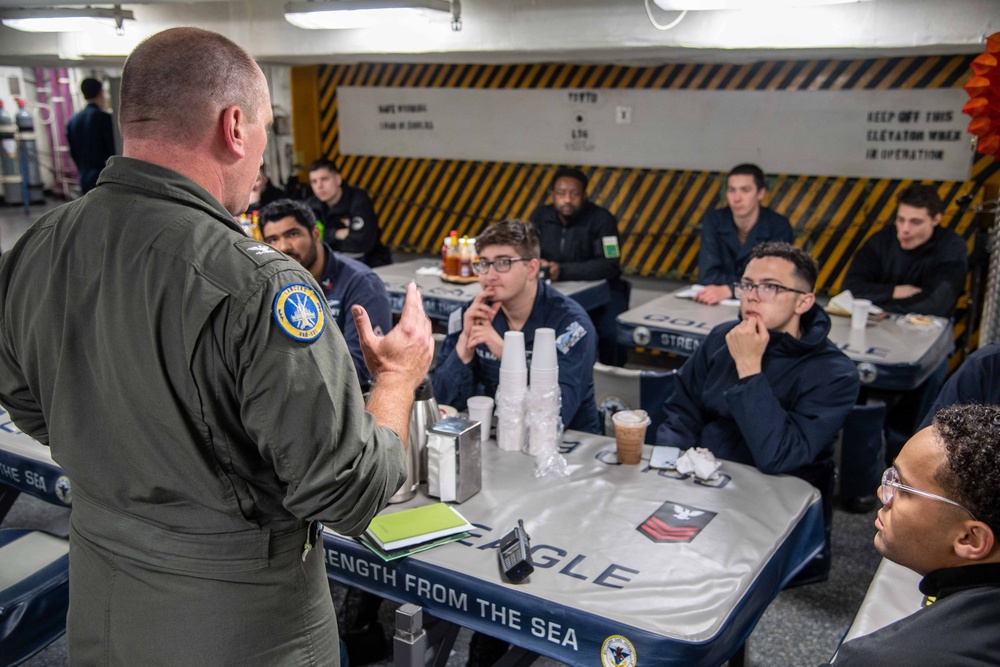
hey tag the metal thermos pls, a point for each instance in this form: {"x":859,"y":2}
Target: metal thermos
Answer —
{"x":423,"y":415}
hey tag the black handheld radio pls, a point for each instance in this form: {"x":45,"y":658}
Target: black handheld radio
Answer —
{"x":514,"y":552}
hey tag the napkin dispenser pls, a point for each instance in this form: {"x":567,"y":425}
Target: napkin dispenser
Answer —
{"x":454,"y":459}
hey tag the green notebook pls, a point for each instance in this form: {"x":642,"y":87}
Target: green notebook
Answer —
{"x":417,"y":525}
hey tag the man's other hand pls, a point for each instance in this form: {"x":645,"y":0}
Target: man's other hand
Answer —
{"x":405,"y":353}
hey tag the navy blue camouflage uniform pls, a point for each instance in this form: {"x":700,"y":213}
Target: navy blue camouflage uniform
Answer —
{"x":346,"y":282}
{"x":455,"y":382}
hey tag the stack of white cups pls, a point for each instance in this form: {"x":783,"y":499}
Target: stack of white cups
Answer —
{"x":511,"y":393}
{"x":544,"y":398}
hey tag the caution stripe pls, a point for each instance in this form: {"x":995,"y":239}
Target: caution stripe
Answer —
{"x":659,"y":211}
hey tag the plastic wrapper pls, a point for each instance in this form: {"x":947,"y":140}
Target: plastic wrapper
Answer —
{"x":511,"y":425}
{"x":545,"y":429}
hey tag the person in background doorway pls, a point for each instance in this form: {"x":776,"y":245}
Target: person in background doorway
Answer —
{"x":91,"y":135}
{"x":729,"y":235}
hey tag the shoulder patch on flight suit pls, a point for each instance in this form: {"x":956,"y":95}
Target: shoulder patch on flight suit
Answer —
{"x":299,"y":312}
{"x":260,"y":253}
{"x":574,"y":332}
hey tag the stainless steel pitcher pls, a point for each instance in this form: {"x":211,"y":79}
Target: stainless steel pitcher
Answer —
{"x":423,"y":415}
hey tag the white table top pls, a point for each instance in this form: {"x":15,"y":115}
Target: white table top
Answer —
{"x":890,"y":354}
{"x":690,"y":596}
{"x":441,"y":298}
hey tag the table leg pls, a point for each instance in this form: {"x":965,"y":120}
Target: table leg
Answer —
{"x":7,"y":498}
{"x":412,"y":640}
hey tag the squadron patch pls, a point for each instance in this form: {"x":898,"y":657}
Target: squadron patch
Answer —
{"x":574,"y":332}
{"x":299,"y":312}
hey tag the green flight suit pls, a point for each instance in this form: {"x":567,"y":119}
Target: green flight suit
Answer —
{"x":140,"y":337}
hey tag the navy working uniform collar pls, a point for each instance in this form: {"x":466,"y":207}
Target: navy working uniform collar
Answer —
{"x":536,"y":318}
{"x":942,"y":583}
{"x":814,"y":324}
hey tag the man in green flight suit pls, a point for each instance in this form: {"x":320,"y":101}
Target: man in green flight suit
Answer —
{"x":191,"y":384}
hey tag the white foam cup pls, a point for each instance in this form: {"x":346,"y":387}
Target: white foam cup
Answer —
{"x":515,"y":382}
{"x":543,"y":351}
{"x":859,"y":313}
{"x":481,"y":410}
{"x":513,"y":352}
{"x":542,"y":379}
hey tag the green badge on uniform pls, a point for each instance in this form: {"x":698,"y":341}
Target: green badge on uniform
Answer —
{"x":610,"y":244}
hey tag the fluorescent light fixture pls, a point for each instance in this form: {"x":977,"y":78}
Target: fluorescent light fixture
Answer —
{"x":695,"y":5}
{"x":64,"y":19}
{"x":348,"y":14}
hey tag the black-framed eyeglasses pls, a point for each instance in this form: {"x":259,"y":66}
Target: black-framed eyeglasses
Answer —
{"x":766,"y":292}
{"x":890,"y":482}
{"x":501,"y":265}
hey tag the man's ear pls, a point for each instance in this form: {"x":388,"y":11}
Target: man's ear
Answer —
{"x":805,"y":302}
{"x":936,"y":220}
{"x":233,"y":130}
{"x":533,"y":267}
{"x":976,"y":542}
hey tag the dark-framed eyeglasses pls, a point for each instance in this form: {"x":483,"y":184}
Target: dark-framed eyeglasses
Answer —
{"x":890,"y":482}
{"x":501,"y":265}
{"x":766,"y":292}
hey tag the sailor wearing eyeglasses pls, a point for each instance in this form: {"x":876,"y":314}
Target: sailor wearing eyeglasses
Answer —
{"x":768,"y":390}
{"x":513,"y":299}
{"x":940,"y":518}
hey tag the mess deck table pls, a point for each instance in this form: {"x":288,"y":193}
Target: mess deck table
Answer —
{"x":890,"y":354}
{"x":441,"y":298}
{"x":626,"y":557}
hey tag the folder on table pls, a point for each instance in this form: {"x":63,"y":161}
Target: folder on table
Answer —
{"x":416,"y":526}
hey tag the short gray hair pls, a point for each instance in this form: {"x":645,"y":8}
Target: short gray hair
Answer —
{"x":175,"y":81}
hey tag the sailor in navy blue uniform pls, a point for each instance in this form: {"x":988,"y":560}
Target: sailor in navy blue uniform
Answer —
{"x":729,"y":235}
{"x":513,"y":299}
{"x":290,"y":226}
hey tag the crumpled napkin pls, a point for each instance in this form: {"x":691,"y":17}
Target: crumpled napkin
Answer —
{"x":429,"y":271}
{"x":699,"y":461}
{"x":843,"y":304}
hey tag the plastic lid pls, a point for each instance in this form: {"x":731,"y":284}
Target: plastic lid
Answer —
{"x":631,"y":417}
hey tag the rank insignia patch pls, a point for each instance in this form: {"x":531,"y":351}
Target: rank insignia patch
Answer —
{"x":674,"y":522}
{"x":299,"y":312}
{"x":260,"y":253}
